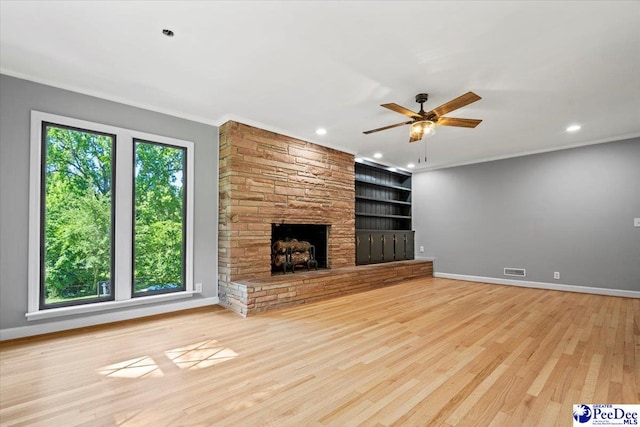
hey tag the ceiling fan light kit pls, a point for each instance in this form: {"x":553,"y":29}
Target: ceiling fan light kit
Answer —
{"x":423,"y":123}
{"x":421,"y":129}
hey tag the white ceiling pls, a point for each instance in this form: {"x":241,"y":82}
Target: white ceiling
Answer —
{"x":292,"y":67}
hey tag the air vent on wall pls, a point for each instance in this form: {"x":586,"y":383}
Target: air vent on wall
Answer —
{"x":520,"y":272}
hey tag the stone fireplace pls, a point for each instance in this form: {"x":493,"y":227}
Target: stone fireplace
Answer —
{"x":267,"y":178}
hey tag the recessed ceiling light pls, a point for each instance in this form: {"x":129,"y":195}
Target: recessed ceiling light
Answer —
{"x":167,"y":32}
{"x":573,"y":128}
{"x":411,"y":166}
{"x":321,"y":131}
{"x":377,"y":155}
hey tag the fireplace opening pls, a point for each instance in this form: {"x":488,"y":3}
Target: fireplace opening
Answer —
{"x":316,"y":235}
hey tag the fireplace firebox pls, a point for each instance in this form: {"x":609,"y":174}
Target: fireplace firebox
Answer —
{"x":314,"y":234}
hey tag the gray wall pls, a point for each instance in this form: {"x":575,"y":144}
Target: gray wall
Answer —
{"x":17,"y":99}
{"x":569,"y":211}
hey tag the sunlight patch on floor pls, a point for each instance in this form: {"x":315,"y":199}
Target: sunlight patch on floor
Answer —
{"x":200,"y":355}
{"x":140,"y":367}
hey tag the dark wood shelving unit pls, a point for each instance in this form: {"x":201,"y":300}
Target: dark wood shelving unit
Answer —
{"x":383,"y":214}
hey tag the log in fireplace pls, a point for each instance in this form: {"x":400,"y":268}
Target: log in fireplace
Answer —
{"x":303,"y":245}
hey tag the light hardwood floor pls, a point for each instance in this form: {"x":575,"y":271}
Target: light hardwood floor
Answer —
{"x":431,"y":352}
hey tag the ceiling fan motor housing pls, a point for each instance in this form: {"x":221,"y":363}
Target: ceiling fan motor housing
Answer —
{"x":422,"y":97}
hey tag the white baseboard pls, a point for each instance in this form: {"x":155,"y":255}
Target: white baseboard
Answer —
{"x":542,"y":285}
{"x":425,"y":258}
{"x":102,"y":318}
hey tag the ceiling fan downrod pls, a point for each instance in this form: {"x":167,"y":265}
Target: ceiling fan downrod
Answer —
{"x":421,"y":98}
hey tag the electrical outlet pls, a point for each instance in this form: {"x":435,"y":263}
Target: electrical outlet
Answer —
{"x":556,"y":275}
{"x":636,"y":222}
{"x":198,"y":288}
{"x":421,"y":248}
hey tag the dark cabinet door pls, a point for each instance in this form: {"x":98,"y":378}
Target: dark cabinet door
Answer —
{"x":401,"y":243}
{"x":363,"y":247}
{"x":388,"y":246}
{"x":409,"y":245}
{"x":376,"y":247}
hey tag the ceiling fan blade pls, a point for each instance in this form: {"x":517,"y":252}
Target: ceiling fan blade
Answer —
{"x":453,"y":121}
{"x":387,"y":127}
{"x":400,"y":109}
{"x":455,"y":103}
{"x":414,"y":138}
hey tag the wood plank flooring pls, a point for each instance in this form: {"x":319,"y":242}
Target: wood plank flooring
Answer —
{"x":430,"y":352}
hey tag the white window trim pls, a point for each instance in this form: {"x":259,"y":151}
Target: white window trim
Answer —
{"x":123,"y":214}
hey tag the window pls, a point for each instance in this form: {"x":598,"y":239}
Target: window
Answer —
{"x":159,"y":214}
{"x":111,"y":217}
{"x":76,"y":262}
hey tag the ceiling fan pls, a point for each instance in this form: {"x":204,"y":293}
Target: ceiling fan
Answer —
{"x":423,"y":123}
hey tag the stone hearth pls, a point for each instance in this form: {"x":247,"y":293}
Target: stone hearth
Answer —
{"x":249,"y":297}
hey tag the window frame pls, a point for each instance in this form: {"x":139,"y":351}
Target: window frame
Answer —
{"x":123,"y":225}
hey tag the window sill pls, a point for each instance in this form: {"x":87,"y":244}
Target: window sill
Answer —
{"x":104,"y":306}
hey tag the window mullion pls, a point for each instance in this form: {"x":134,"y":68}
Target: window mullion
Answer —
{"x":123,"y":214}
{"x":189,"y":220}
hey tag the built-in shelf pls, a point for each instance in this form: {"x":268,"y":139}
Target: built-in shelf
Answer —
{"x":383,"y":214}
{"x":376,"y":199}
{"x":382,"y":184}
